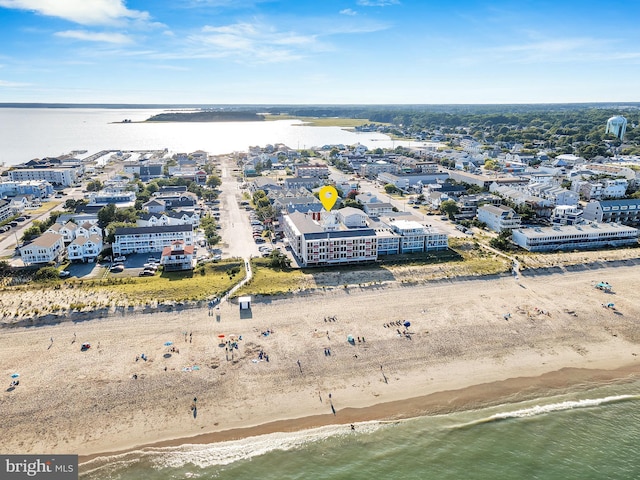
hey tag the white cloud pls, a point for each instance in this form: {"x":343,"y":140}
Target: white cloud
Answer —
{"x":84,"y":12}
{"x":5,"y":84}
{"x":253,"y":42}
{"x":378,"y":3}
{"x":104,"y":37}
{"x":348,"y":11}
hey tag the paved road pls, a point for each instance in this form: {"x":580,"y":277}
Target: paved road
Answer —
{"x":236,"y":229}
{"x":8,"y":239}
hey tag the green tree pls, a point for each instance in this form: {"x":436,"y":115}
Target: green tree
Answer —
{"x":106,"y":215}
{"x":208,"y":224}
{"x":352,"y":203}
{"x":46,"y":274}
{"x":390,"y":188}
{"x":32,"y":232}
{"x":213,"y":181}
{"x":279,"y":260}
{"x":95,"y":185}
{"x":502,"y":241}
{"x":111,"y":230}
{"x":450,"y":208}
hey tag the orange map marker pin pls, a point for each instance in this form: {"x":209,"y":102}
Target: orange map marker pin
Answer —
{"x":328,"y":197}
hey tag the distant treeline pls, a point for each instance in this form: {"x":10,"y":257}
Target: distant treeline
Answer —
{"x":207,"y":116}
{"x":437,"y":116}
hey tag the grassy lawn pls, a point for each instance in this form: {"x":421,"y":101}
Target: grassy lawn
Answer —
{"x":204,"y":282}
{"x":324,"y":121}
{"x":45,"y":207}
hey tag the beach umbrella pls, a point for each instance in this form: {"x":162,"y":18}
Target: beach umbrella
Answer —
{"x":168,"y":344}
{"x":15,"y":375}
{"x":407,"y":324}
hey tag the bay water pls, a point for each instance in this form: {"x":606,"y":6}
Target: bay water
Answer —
{"x":28,"y":133}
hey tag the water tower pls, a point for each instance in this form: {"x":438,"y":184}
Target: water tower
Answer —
{"x":617,"y":126}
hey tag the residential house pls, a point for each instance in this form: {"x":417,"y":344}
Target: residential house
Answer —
{"x":182,"y":200}
{"x":85,"y":249}
{"x":5,"y":210}
{"x":118,"y":196}
{"x":377,"y":209}
{"x":295,"y":183}
{"x":154,"y":206}
{"x":265,"y":184}
{"x":150,"y":239}
{"x":88,"y":229}
{"x":178,"y":256}
{"x":624,"y":211}
{"x":21,"y":202}
{"x":67,"y":230}
{"x":37,"y":188}
{"x":498,"y":217}
{"x":566,"y":215}
{"x":373,"y":169}
{"x":48,"y":247}
{"x":319,"y":170}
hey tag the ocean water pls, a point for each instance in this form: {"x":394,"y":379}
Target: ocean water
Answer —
{"x":590,"y":434}
{"x":29,"y":133}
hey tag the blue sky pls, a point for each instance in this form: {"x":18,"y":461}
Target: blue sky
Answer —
{"x":319,"y":51}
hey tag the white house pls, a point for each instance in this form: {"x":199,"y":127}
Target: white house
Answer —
{"x":498,"y":217}
{"x":46,"y":248}
{"x":5,"y":210}
{"x":178,"y":256}
{"x":85,"y":249}
{"x":87,"y":229}
{"x":150,"y":239}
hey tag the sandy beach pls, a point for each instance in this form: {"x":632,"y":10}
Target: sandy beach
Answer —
{"x":470,"y":343}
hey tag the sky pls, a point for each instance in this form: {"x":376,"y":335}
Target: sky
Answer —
{"x":319,"y":51}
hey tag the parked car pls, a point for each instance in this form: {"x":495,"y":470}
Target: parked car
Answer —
{"x":121,"y":258}
{"x":64,"y":273}
{"x":259,"y":240}
{"x":117,"y":268}
{"x":153,"y":260}
{"x":147,"y":273}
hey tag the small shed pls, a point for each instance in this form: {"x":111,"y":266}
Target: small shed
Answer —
{"x":245,"y":303}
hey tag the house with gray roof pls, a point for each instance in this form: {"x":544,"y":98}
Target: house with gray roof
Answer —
{"x":624,"y":211}
{"x":150,"y":239}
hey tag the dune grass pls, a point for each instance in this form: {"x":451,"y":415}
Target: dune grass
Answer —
{"x":204,"y":282}
{"x":267,"y":281}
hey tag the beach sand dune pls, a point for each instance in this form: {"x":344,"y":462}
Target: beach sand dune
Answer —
{"x":470,"y":343}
